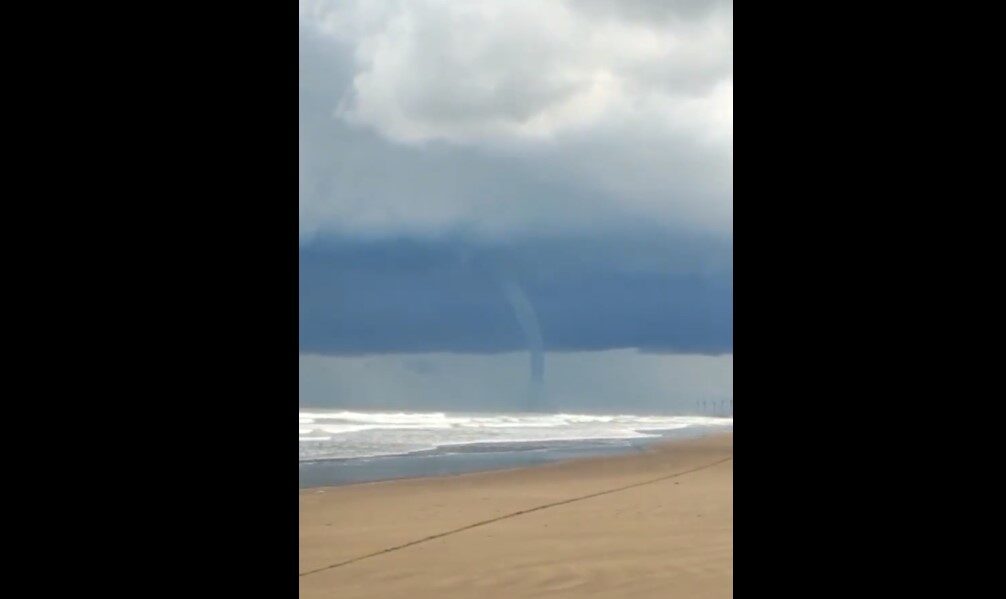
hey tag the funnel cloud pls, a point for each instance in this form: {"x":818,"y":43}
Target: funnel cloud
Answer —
{"x":528,"y":321}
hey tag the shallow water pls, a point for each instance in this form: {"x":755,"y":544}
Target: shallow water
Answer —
{"x":459,"y":458}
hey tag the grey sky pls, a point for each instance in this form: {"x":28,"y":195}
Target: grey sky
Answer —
{"x":602,"y":382}
{"x":514,"y":117}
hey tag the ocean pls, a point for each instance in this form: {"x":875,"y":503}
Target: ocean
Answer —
{"x":341,"y":446}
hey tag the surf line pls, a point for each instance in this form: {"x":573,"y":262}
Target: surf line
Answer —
{"x":511,"y":515}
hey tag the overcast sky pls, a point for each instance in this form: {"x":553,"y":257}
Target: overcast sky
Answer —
{"x":580,"y":150}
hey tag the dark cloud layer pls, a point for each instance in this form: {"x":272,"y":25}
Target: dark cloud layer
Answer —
{"x":412,"y":296}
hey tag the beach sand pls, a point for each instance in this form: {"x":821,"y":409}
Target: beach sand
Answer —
{"x":652,"y":524}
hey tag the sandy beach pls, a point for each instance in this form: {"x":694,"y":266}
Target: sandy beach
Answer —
{"x":652,"y":524}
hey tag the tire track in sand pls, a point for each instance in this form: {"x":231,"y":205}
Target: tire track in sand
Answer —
{"x":510,"y":515}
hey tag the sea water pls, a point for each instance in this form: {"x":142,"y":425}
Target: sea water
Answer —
{"x":342,"y":446}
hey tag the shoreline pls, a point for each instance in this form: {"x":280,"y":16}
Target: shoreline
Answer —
{"x":642,"y":524}
{"x":511,"y":456}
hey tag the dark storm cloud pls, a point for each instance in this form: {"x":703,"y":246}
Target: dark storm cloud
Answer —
{"x":410,"y":296}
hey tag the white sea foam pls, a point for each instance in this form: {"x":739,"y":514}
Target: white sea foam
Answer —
{"x":334,"y":434}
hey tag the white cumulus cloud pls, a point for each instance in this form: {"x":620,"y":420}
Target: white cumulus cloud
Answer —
{"x":630,"y":99}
